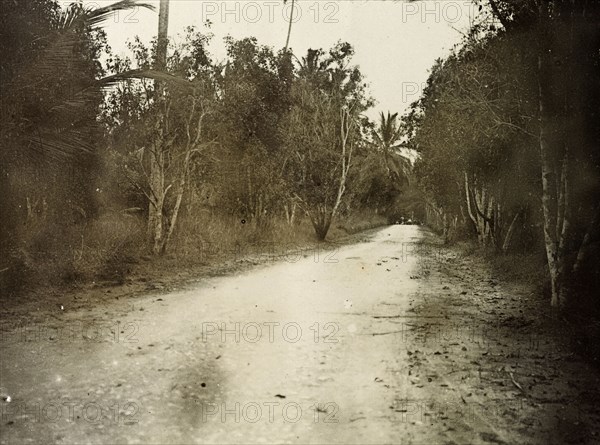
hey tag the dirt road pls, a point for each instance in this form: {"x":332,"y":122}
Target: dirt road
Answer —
{"x":318,"y":348}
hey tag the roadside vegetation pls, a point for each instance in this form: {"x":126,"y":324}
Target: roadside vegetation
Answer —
{"x":107,"y":159}
{"x":507,"y":134}
{"x":167,"y":151}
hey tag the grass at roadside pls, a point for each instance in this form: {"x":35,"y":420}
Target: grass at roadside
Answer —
{"x":108,"y":261}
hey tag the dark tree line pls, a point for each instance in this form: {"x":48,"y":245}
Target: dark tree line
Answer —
{"x":49,"y":135}
{"x":508,"y":134}
{"x":101,"y":163}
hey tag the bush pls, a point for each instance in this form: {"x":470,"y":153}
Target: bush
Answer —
{"x":360,"y":222}
{"x":108,"y":246}
{"x":50,"y":253}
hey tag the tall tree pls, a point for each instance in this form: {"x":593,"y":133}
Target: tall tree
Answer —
{"x":163,"y":35}
{"x":157,"y":151}
{"x":322,"y":132}
{"x":387,"y":136}
{"x":289,"y":33}
{"x":254,"y":98}
{"x":162,"y":138}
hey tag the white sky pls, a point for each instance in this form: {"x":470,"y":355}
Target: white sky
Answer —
{"x":395,"y":42}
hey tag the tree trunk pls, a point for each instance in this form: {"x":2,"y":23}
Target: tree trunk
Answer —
{"x":156,"y":203}
{"x":157,"y":178}
{"x":509,"y":233}
{"x":325,"y":217}
{"x":584,"y":248}
{"x":321,"y":221}
{"x":472,"y":215}
{"x":178,"y":200}
{"x":290,"y":212}
{"x":555,"y":205}
{"x":289,"y":33}
{"x":478,"y":207}
{"x":553,"y":210}
{"x":445,"y":228}
{"x":163,"y":39}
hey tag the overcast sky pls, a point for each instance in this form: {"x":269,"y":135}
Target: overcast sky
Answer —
{"x":396,"y":42}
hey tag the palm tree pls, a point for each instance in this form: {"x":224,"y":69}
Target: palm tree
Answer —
{"x":163,"y":40}
{"x":388,"y":132}
{"x":312,"y":63}
{"x":387,"y":137}
{"x":58,"y":132}
{"x":289,"y":33}
{"x":315,"y":68}
{"x":157,"y":153}
{"x":49,"y":102}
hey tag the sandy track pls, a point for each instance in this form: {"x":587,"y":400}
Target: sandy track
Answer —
{"x":318,"y":349}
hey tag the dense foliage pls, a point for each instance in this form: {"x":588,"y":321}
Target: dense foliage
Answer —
{"x":102,"y":164}
{"x":155,"y":153}
{"x":507,"y":132}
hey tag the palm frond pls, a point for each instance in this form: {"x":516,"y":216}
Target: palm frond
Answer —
{"x":388,"y":131}
{"x":70,"y":110}
{"x":63,"y":130}
{"x":58,"y":146}
{"x":144,"y":74}
{"x":90,"y":16}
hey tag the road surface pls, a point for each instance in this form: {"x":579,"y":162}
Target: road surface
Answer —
{"x":305,"y":350}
